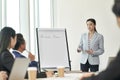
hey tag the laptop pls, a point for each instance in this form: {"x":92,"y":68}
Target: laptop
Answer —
{"x":19,"y":69}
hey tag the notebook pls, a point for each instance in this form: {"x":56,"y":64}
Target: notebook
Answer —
{"x":19,"y":69}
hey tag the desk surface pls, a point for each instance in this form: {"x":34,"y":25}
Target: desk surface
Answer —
{"x":68,"y":76}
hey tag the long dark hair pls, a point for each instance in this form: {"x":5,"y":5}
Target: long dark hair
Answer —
{"x":116,"y":8}
{"x":93,"y":21}
{"x":5,"y":37}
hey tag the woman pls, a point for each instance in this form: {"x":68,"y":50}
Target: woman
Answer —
{"x":91,"y":45}
{"x":20,"y":47}
{"x":7,"y":41}
{"x":112,"y":72}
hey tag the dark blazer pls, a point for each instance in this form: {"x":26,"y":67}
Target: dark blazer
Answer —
{"x":19,"y":55}
{"x":7,"y":60}
{"x":111,"y":73}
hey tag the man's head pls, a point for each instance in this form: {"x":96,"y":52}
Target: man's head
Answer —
{"x":20,"y":43}
{"x":116,"y":10}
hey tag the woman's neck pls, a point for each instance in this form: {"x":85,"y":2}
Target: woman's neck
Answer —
{"x":8,"y":48}
{"x":91,"y":32}
{"x":90,"y":35}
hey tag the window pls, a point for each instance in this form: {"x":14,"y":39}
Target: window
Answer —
{"x":25,"y":16}
{"x":44,"y":12}
{"x":12,"y":14}
{"x":40,"y":17}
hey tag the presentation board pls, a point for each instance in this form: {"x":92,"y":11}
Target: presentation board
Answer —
{"x":52,"y":48}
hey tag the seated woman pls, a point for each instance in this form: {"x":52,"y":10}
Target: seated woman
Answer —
{"x":18,"y":49}
{"x":20,"y":46}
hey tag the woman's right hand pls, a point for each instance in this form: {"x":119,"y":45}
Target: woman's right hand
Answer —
{"x":3,"y":75}
{"x":78,"y":50}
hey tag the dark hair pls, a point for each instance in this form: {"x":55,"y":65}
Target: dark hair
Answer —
{"x":20,"y":40}
{"x":116,"y":8}
{"x":93,"y":21}
{"x":5,"y":37}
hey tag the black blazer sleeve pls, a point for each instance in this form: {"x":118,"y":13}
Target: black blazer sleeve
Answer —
{"x":7,"y":61}
{"x":111,"y":73}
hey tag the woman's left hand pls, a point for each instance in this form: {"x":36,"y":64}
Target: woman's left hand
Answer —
{"x":89,"y":51}
{"x":31,"y":56}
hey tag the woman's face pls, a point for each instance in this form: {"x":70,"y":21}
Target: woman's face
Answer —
{"x":23,"y":46}
{"x":90,"y":25}
{"x":13,"y":42}
{"x":118,"y":21}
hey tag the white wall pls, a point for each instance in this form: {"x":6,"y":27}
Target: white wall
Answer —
{"x":72,"y":14}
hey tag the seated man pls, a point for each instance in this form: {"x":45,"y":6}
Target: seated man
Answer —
{"x":20,"y":47}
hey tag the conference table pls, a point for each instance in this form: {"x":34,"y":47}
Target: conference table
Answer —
{"x":67,"y":76}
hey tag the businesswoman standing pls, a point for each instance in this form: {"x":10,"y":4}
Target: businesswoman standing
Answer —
{"x":91,"y":45}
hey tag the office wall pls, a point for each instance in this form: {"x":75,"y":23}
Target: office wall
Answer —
{"x":72,"y":15}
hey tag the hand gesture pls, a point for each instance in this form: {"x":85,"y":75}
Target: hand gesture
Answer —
{"x":3,"y":75}
{"x":89,"y":51}
{"x":79,"y":50}
{"x":31,"y":56}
